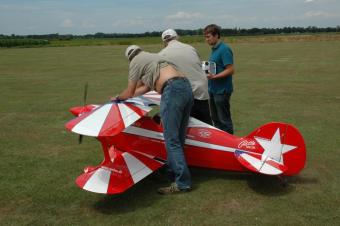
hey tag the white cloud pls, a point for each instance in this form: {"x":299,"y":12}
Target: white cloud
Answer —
{"x":67,"y":23}
{"x":88,"y":24}
{"x":128,"y":23}
{"x":49,"y":16}
{"x":184,"y":15}
{"x":321,"y":14}
{"x":232,"y":18}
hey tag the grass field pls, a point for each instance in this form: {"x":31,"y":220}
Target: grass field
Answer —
{"x":197,"y":39}
{"x":293,"y":81}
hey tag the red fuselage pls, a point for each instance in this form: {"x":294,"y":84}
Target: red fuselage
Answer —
{"x":204,"y":147}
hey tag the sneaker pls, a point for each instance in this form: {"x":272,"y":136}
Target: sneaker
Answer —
{"x":172,"y":189}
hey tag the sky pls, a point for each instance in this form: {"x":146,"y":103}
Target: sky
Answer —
{"x":79,"y":17}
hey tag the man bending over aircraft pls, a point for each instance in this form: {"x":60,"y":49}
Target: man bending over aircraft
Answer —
{"x":148,"y":71}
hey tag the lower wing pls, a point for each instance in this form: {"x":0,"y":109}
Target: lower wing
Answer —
{"x":120,"y":172}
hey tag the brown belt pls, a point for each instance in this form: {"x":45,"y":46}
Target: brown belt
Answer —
{"x":170,"y":80}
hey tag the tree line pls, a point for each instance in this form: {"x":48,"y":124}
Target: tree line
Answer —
{"x":181,"y":32}
{"x":46,"y":39}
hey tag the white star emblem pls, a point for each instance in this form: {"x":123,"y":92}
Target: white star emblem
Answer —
{"x":273,"y":148}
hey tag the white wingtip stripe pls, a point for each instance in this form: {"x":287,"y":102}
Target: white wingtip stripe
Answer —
{"x":99,"y":181}
{"x":138,"y":170}
{"x":92,"y":124}
{"x":128,"y":115}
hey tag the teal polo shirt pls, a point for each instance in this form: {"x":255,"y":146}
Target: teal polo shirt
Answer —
{"x":222,"y":55}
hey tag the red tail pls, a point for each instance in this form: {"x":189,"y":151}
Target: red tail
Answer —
{"x":283,"y":143}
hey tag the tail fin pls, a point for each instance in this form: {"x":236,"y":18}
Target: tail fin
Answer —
{"x":280,"y":150}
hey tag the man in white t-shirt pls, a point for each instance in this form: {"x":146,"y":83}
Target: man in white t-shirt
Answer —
{"x":150,"y":71}
{"x":188,"y":62}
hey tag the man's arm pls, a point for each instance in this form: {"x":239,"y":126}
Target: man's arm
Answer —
{"x":129,"y":91}
{"x":141,"y":90}
{"x":134,"y":89}
{"x":229,"y":70}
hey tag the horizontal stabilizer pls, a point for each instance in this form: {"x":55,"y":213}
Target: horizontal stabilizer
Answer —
{"x":256,"y":163}
{"x":118,"y":174}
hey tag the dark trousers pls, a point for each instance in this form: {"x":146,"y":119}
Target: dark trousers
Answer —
{"x":220,"y":111}
{"x":201,"y":111}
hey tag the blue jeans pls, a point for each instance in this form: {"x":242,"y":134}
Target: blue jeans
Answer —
{"x":176,"y":103}
{"x":220,"y":112}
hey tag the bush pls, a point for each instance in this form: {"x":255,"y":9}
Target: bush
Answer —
{"x":22,"y":42}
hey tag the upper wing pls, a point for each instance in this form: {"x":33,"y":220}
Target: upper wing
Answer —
{"x":111,"y":118}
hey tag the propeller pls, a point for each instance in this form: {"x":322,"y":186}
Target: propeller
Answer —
{"x":80,"y":138}
{"x":85,"y":92}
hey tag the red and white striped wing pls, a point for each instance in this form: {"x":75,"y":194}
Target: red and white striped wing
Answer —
{"x":119,"y":174}
{"x":108,"y":119}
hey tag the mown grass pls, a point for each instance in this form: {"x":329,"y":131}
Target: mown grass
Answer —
{"x":294,"y":81}
{"x":198,"y":39}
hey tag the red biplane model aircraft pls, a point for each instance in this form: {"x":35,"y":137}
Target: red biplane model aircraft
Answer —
{"x":133,"y":145}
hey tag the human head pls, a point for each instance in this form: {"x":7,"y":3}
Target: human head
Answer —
{"x":132,"y":51}
{"x":212,"y":34}
{"x":168,"y":35}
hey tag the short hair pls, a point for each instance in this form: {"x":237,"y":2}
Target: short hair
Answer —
{"x":212,"y":29}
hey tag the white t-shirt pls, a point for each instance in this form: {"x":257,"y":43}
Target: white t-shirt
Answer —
{"x":187,"y":61}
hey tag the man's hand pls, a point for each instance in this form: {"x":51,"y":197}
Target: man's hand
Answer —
{"x":116,"y":98}
{"x":210,"y":76}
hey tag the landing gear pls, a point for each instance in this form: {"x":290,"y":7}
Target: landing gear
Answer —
{"x":283,"y":181}
{"x":157,"y":118}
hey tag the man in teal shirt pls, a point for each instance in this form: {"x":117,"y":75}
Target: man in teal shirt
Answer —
{"x":220,"y":85}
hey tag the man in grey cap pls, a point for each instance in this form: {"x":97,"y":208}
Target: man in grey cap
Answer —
{"x":187,"y":60}
{"x":150,"y":71}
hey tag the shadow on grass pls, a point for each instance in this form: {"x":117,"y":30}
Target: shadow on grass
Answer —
{"x":299,"y":179}
{"x":141,"y":195}
{"x":144,"y":194}
{"x":202,"y":175}
{"x":262,"y":184}
{"x":274,"y":186}
{"x":269,"y":185}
